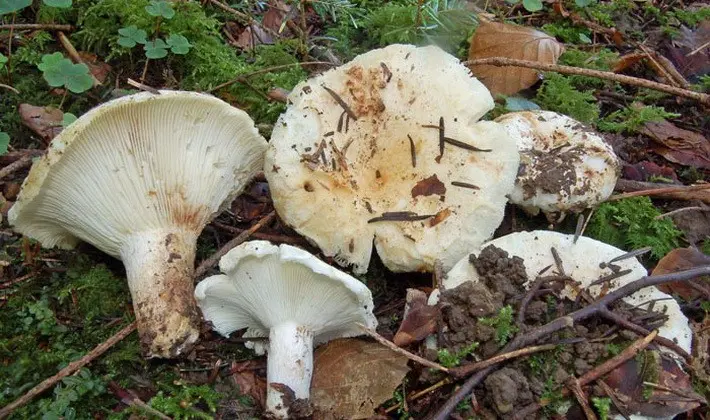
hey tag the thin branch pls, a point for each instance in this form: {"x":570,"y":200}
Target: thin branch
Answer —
{"x":15,"y":166}
{"x":37,"y":27}
{"x":390,"y":345}
{"x":243,"y":77}
{"x":8,"y":87}
{"x":70,"y":369}
{"x":235,"y":12}
{"x":576,"y":389}
{"x":466,"y":370}
{"x":74,"y":54}
{"x":678,"y":192}
{"x":607,"y":75}
{"x":143,"y":86}
{"x":681,"y":210}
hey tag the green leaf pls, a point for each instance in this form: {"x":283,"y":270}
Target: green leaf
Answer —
{"x":584,"y":3}
{"x":61,"y":4}
{"x":532,"y":5}
{"x":583,"y":38}
{"x":12,"y":6}
{"x":178,"y":44}
{"x":3,"y":60}
{"x":156,"y":49}
{"x":60,"y":71}
{"x":4,"y":142}
{"x":68,"y":118}
{"x":160,"y":8}
{"x":515,"y":103}
{"x":130,"y":36}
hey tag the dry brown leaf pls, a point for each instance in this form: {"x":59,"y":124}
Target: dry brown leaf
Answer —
{"x":252,"y":36}
{"x":352,"y":377}
{"x":678,"y":145}
{"x":97,"y":68}
{"x":249,"y":383}
{"x":493,"y":39}
{"x":45,"y":121}
{"x":419,"y":319}
{"x":683,"y":259}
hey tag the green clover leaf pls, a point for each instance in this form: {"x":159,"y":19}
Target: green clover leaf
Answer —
{"x":68,"y":118}
{"x":583,"y":3}
{"x":156,"y":49}
{"x":60,"y":71}
{"x":12,"y":6}
{"x":178,"y":44}
{"x":4,"y":142}
{"x":130,"y":36}
{"x":61,"y":4}
{"x":532,"y":5}
{"x":3,"y":60}
{"x":160,"y":8}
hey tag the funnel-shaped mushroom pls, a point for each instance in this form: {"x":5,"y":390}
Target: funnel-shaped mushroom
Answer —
{"x":292,"y":297}
{"x":389,"y":147}
{"x":139,"y":177}
{"x":581,"y":261}
{"x":564,"y":166}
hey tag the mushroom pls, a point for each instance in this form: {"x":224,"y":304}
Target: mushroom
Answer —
{"x":139,"y":177}
{"x":389,"y":147}
{"x":564,"y":166}
{"x":582,"y":260}
{"x":292,"y":297}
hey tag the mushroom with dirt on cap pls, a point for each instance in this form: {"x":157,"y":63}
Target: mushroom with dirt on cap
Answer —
{"x":139,"y":177}
{"x":389,"y":147}
{"x":292,"y":297}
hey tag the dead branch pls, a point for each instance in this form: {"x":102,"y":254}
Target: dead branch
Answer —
{"x":546,"y":330}
{"x":143,"y":86}
{"x":703,"y":98}
{"x":390,"y":345}
{"x":676,"y":192}
{"x":681,"y":210}
{"x":10,"y":88}
{"x":15,"y":166}
{"x":271,"y":237}
{"x":574,"y":386}
{"x":465,"y":370}
{"x":70,"y":369}
{"x":244,"y":77}
{"x":18,"y":154}
{"x":37,"y":27}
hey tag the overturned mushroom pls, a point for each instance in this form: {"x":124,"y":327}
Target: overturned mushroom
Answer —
{"x":139,"y":177}
{"x":564,"y":166}
{"x":389,"y":147}
{"x":586,"y":261}
{"x":292,"y":297}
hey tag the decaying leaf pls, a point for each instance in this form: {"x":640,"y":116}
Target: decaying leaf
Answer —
{"x":647,"y":170}
{"x":252,"y":36}
{"x":45,"y":121}
{"x":419,"y":319}
{"x":690,"y":51}
{"x":679,"y":145}
{"x":352,"y":377}
{"x":493,"y":39}
{"x":97,"y":68}
{"x":683,"y":259}
{"x":249,"y":383}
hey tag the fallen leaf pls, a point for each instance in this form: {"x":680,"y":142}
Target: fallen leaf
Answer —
{"x":429,"y":186}
{"x":679,"y":145}
{"x":683,"y":259}
{"x":352,"y":377}
{"x":248,"y":382}
{"x":419,"y":319}
{"x":645,"y":170}
{"x":274,"y":17}
{"x":45,"y":121}
{"x":97,"y":68}
{"x":695,"y":223}
{"x":627,"y":60}
{"x":493,"y":39}
{"x":252,"y":36}
{"x":690,"y":51}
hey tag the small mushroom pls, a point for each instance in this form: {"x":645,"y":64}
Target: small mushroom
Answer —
{"x":581,"y":261}
{"x":388,"y":147}
{"x":139,"y":177}
{"x":290,"y":296}
{"x":564,"y":166}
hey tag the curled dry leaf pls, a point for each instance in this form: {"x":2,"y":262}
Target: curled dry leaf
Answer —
{"x":352,"y":377}
{"x":244,"y":375}
{"x":43,"y":120}
{"x":493,"y":39}
{"x":419,"y":319}
{"x":678,"y":145}
{"x":97,"y":68}
{"x":683,"y":259}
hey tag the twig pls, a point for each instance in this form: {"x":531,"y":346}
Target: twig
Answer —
{"x":576,"y":389}
{"x":679,"y":192}
{"x":74,"y":54}
{"x":243,"y":77}
{"x":416,"y":395}
{"x":546,"y":330}
{"x":235,"y":12}
{"x":390,"y":345}
{"x":614,"y":399}
{"x":465,"y":370}
{"x":681,"y":210}
{"x":71,"y":368}
{"x":677,"y":392}
{"x":37,"y":27}
{"x":143,"y":86}
{"x":534,"y":287}
{"x":8,"y":87}
{"x":634,"y":81}
{"x":214,"y":258}
{"x":265,"y":236}
{"x":15,"y":166}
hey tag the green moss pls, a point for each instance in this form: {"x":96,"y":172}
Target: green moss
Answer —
{"x":633,"y":118}
{"x":567,"y":32}
{"x":631,"y":224}
{"x":558,"y":94}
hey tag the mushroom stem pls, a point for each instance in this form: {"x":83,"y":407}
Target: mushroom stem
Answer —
{"x":159,"y":266}
{"x":289,"y":367}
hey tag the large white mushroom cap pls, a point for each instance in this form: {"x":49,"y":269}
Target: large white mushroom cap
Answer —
{"x":564,"y":166}
{"x":292,"y":297}
{"x":139,"y":177}
{"x":392,"y":135}
{"x":581,"y":261}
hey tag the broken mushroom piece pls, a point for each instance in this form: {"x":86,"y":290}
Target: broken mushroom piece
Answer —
{"x":585,"y":261}
{"x":389,"y":147}
{"x":139,"y":177}
{"x":290,"y":296}
{"x":564,"y":166}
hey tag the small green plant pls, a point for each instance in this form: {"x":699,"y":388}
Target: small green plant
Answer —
{"x":4,"y":142}
{"x":155,"y":48}
{"x":529,"y":5}
{"x":632,"y":118}
{"x":72,"y":388}
{"x":558,"y":94}
{"x":14,"y":6}
{"x":59,"y":71}
{"x":131,"y":36}
{"x":449,"y":360}
{"x":503,"y":324}
{"x":3,"y":60}
{"x":183,"y":403}
{"x":613,"y":349}
{"x":631,"y":224}
{"x":603,"y":406}
{"x":38,"y":316}
{"x":401,"y":401}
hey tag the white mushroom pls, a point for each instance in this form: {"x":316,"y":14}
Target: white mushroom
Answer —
{"x":139,"y":177}
{"x":388,"y":146}
{"x":290,"y":296}
{"x":564,"y":166}
{"x":581,"y":261}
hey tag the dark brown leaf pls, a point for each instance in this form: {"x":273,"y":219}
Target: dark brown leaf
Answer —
{"x":419,"y":319}
{"x":252,"y":36}
{"x":429,"y":186}
{"x":352,"y":377}
{"x":645,"y":170}
{"x":249,"y":383}
{"x":690,"y":51}
{"x":97,"y":68}
{"x":683,"y":259}
{"x":678,"y":145}
{"x":45,"y":121}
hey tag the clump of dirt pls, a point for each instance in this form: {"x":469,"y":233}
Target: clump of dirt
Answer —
{"x":504,"y":275}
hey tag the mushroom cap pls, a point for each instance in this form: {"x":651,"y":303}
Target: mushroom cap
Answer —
{"x":564,"y":166}
{"x":265,"y":285}
{"x":581,"y":262}
{"x":369,"y":144}
{"x":137,"y":163}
